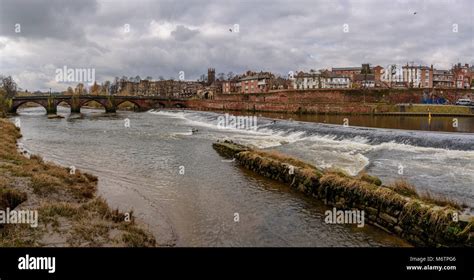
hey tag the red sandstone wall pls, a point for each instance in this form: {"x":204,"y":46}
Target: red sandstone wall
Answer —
{"x":323,"y":100}
{"x":391,"y":96}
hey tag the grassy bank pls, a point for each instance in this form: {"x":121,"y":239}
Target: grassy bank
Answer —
{"x":425,"y":109}
{"x":69,"y":211}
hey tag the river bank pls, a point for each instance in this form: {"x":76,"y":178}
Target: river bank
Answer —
{"x":397,"y":208}
{"x":69,"y":213}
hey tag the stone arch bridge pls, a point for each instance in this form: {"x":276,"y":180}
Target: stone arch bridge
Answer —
{"x":110,"y":102}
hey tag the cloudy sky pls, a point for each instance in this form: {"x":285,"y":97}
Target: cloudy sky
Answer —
{"x":166,"y":37}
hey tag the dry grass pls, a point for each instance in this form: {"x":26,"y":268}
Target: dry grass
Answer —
{"x":364,"y":176}
{"x":441,"y":200}
{"x":44,"y":183}
{"x":66,"y":203}
{"x":337,"y":171}
{"x":276,"y":155}
{"x":404,"y":188}
{"x":10,"y":198}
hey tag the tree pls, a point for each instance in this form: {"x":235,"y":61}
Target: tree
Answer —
{"x":149,"y":78}
{"x":79,"y":89}
{"x":221,"y":76}
{"x":230,"y":75}
{"x":9,"y":86}
{"x":70,"y":91}
{"x":106,"y":88}
{"x":95,"y":89}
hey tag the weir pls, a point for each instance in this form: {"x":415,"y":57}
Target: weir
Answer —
{"x":419,"y":222}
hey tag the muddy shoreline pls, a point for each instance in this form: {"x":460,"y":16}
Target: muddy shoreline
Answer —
{"x":65,"y":200}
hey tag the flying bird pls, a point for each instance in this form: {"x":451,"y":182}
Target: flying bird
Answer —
{"x":230,"y":29}
{"x":414,"y":13}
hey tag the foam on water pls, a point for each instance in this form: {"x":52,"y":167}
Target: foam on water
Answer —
{"x":435,"y":161}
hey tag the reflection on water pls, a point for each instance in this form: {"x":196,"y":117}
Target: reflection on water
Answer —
{"x":139,"y":167}
{"x":437,"y":123}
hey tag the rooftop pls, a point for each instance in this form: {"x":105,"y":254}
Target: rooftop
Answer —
{"x":347,"y":68}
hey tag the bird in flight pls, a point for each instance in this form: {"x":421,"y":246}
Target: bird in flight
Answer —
{"x":414,"y":13}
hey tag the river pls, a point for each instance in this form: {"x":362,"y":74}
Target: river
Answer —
{"x":188,"y":195}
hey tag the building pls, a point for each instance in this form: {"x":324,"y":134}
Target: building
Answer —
{"x":159,"y":88}
{"x":392,"y":76}
{"x":378,"y":70}
{"x":462,"y":76}
{"x":471,"y":72}
{"x":335,"y":80}
{"x":443,"y":79}
{"x":230,"y":86}
{"x":211,"y":76}
{"x":252,"y":82}
{"x":347,"y":71}
{"x":364,"y":81}
{"x":417,"y":76}
{"x":279,"y":83}
{"x":255,"y":83}
{"x":427,"y":77}
{"x":311,"y":80}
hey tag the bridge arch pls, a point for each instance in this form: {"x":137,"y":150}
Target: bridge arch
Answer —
{"x":160,"y":105}
{"x":128,"y":100}
{"x":17,"y":105}
{"x":85,"y":102}
{"x":63,"y":102}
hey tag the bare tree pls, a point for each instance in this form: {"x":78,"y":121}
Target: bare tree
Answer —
{"x":221,"y":76}
{"x":79,"y":89}
{"x":106,"y":87}
{"x":114,"y":87}
{"x":9,"y":86}
{"x":69,"y":91}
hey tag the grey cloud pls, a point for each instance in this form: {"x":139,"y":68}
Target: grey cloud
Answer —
{"x":182,"y":33}
{"x":274,"y":35}
{"x":49,"y":19}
